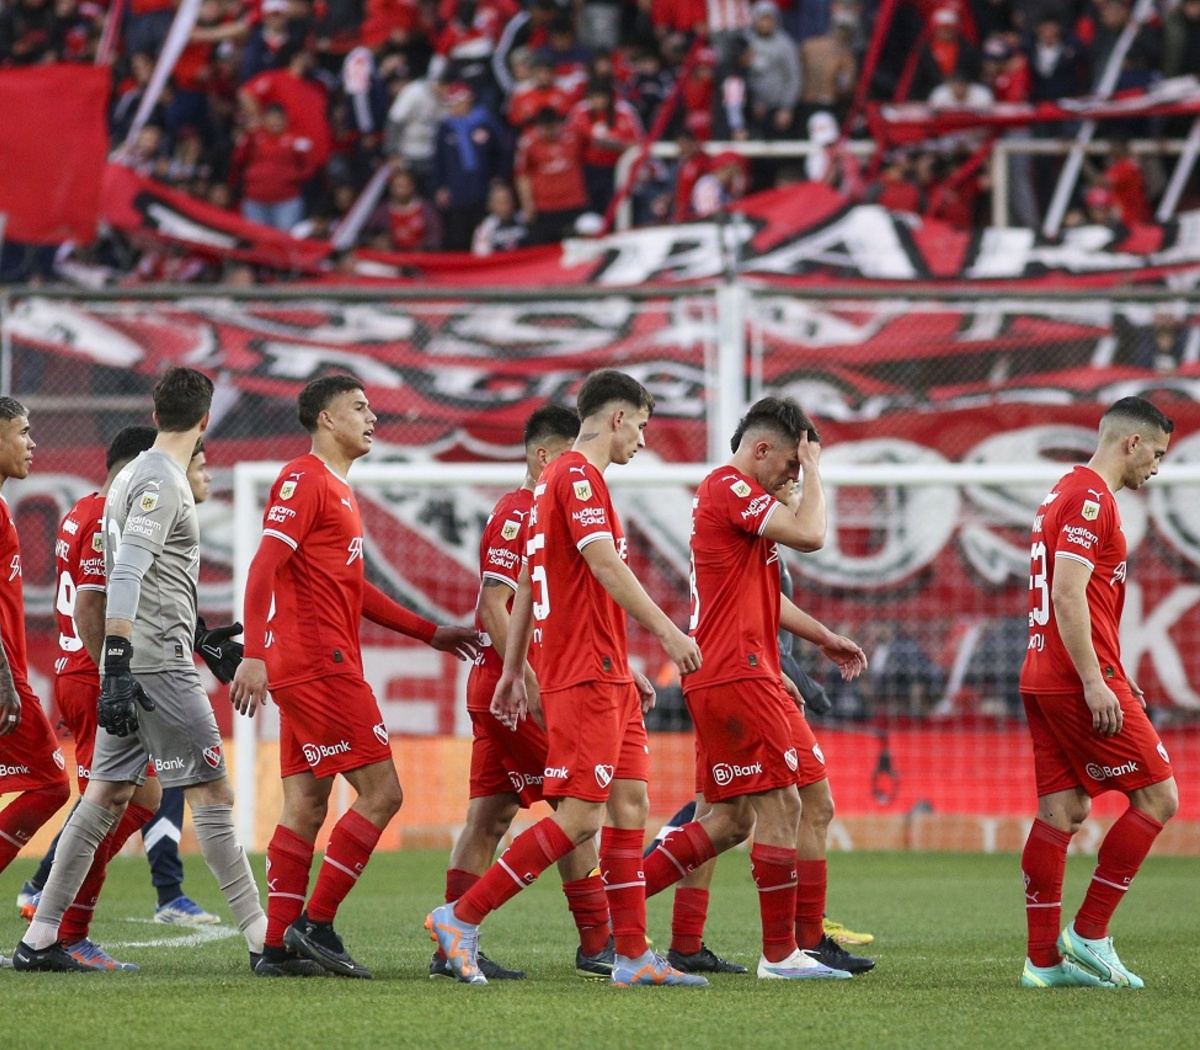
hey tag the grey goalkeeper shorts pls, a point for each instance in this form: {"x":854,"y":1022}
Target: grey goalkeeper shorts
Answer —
{"x":180,"y":736}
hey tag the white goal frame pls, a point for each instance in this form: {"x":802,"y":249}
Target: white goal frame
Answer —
{"x":250,"y":477}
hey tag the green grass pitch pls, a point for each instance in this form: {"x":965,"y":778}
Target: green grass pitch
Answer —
{"x":949,"y":943}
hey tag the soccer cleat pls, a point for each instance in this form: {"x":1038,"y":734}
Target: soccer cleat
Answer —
{"x":845,"y":937}
{"x":5,"y":962}
{"x":800,"y":965}
{"x":836,"y":957}
{"x":88,"y":953}
{"x":183,"y":911}
{"x":1065,"y":975}
{"x":27,"y":890}
{"x":279,"y":962}
{"x":30,"y":907}
{"x":703,"y":961}
{"x":651,"y":968}
{"x":54,"y":959}
{"x":458,"y":941}
{"x":596,"y":967}
{"x":492,"y":970}
{"x":1099,"y":957}
{"x":318,"y":942}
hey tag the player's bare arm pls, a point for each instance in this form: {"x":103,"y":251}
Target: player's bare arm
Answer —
{"x":618,"y":579}
{"x":800,"y":522}
{"x":843,"y":651}
{"x":463,"y":642}
{"x":10,"y":701}
{"x":89,"y":622}
{"x":645,"y":690}
{"x":1068,"y":595}
{"x":248,"y":690}
{"x":510,"y":701}
{"x":793,"y":691}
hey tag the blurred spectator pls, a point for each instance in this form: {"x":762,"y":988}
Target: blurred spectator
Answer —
{"x":273,"y":41}
{"x":527,"y":29}
{"x":569,"y":58}
{"x":960,"y":92}
{"x":1181,"y":39}
{"x":527,"y":99}
{"x":904,"y":678}
{"x":697,"y":95}
{"x":600,"y":24}
{"x":994,"y":18}
{"x":470,"y":150}
{"x":465,"y":43}
{"x":147,"y":154}
{"x":188,"y":164}
{"x":405,"y":221}
{"x":30,"y":32}
{"x":650,"y":85}
{"x":734,"y":104}
{"x":1163,"y":346}
{"x":607,"y":126}
{"x":774,"y":73}
{"x":1107,"y":25}
{"x":831,"y":163}
{"x":689,"y":17}
{"x":337,"y":30}
{"x":1005,"y":72}
{"x":830,"y":68}
{"x":549,"y":177}
{"x":413,"y":121}
{"x":1100,"y":209}
{"x":393,"y":24}
{"x":147,"y":23}
{"x":303,"y":98}
{"x":724,"y":183}
{"x":895,"y":188}
{"x":129,"y":94}
{"x":504,"y":229}
{"x":1127,"y":184}
{"x":947,"y":51}
{"x":691,"y":163}
{"x":273,"y":164}
{"x":1057,"y":61}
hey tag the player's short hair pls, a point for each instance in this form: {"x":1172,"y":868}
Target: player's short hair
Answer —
{"x":550,"y":421}
{"x":607,"y":384}
{"x":782,"y":416}
{"x":182,"y":397}
{"x":316,"y":397}
{"x":128,"y":443}
{"x":11,"y":408}
{"x":1137,"y":410}
{"x":198,"y":449}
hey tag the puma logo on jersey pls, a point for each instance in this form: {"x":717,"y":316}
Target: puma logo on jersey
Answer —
{"x":347,"y":503}
{"x":577,"y":470}
{"x":355,"y":550}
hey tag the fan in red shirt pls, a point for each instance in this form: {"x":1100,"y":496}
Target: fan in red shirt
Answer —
{"x":406,"y":221}
{"x":306,"y":595}
{"x":693,"y":162}
{"x":528,"y":100}
{"x":31,"y":764}
{"x":1086,"y":715}
{"x":273,"y":164}
{"x":608,"y":127}
{"x":549,"y":178}
{"x":758,"y":764}
{"x":508,"y":760}
{"x":1128,"y":185}
{"x":573,"y":601}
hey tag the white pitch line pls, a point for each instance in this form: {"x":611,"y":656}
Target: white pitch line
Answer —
{"x":202,"y":935}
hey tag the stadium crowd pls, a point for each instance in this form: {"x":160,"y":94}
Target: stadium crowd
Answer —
{"x":501,"y":124}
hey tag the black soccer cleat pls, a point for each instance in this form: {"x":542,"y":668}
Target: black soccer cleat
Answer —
{"x":598,"y":967}
{"x":833,"y":955}
{"x":279,"y":962}
{"x":439,"y":966}
{"x":318,"y":942}
{"x":55,"y":959}
{"x":703,"y":961}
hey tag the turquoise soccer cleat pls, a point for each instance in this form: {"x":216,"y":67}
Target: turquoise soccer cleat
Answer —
{"x":1099,"y":957}
{"x":1065,"y":975}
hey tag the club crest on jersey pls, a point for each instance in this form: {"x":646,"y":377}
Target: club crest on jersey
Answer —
{"x":740,"y":488}
{"x":98,"y":543}
{"x":604,"y":775}
{"x":380,"y":731}
{"x":287,"y":490}
{"x":148,"y":502}
{"x":59,"y":760}
{"x":510,"y":530}
{"x":583,"y":490}
{"x":1091,"y":510}
{"x":212,"y":755}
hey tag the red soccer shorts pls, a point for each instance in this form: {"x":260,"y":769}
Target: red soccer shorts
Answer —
{"x":596,"y":735}
{"x":1068,"y":753}
{"x":507,"y":761}
{"x":745,"y":739}
{"x":30,"y":758}
{"x":329,"y":726}
{"x":810,"y":759}
{"x":77,"y":696}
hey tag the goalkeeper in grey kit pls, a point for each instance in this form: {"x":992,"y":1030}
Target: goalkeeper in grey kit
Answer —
{"x":152,"y":702}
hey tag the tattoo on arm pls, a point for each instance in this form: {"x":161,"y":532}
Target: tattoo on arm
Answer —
{"x":490,"y":582}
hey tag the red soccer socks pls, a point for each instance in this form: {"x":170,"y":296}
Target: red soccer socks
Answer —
{"x":350,"y":846}
{"x":289,"y":860}
{"x":688,"y":916}
{"x":531,"y":853}
{"x":1042,"y":864}
{"x":625,"y":885}
{"x":680,"y":853}
{"x":812,"y":877}
{"x":774,"y":870}
{"x":25,"y":814}
{"x":1121,"y":855}
{"x":589,"y":908}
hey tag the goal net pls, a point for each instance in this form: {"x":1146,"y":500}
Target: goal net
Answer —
{"x":926,"y":565}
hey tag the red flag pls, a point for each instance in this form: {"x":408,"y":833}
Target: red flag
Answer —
{"x":53,"y":144}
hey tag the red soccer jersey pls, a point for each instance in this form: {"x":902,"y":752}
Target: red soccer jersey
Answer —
{"x":1078,"y":520}
{"x":504,"y":537}
{"x":735,"y":581}
{"x":592,"y":126}
{"x":79,"y":566}
{"x":579,"y":631}
{"x":554,"y":168}
{"x":527,"y":101}
{"x":313,"y":629}
{"x":12,"y":604}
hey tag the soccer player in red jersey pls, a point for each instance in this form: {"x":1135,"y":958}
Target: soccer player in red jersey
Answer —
{"x":305,"y":597}
{"x":508,"y":759}
{"x":31,"y":764}
{"x":574,"y":602}
{"x":1086,"y":714}
{"x":760,"y":765}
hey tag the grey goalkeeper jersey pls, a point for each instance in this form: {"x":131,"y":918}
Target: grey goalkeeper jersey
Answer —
{"x":150,"y":506}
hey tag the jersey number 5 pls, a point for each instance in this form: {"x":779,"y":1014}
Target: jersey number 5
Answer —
{"x":537,"y":578}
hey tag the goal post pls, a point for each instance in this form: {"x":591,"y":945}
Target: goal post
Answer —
{"x":926,"y":565}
